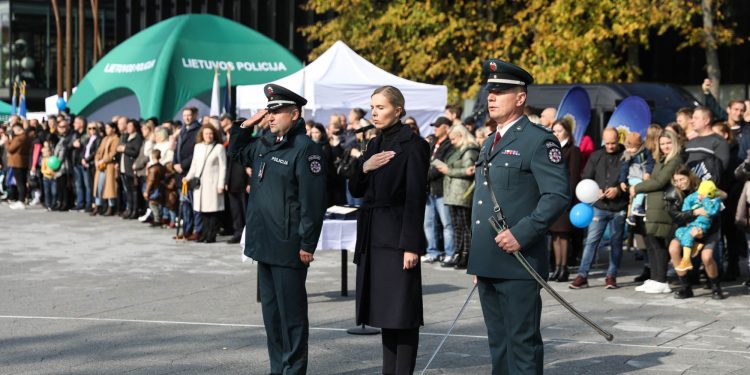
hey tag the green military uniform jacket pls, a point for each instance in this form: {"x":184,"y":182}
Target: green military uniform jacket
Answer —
{"x":530,"y":181}
{"x":287,"y":200}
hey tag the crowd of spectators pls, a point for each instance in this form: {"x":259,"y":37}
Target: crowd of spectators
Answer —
{"x":176,"y":173}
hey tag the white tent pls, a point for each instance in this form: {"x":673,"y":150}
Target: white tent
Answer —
{"x":340,"y":80}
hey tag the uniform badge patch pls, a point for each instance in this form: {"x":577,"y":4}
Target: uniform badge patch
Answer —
{"x":315,"y":167}
{"x":554,"y":154}
{"x":314,"y":162}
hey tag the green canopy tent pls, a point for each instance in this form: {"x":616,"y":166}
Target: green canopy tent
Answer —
{"x":5,"y":109}
{"x":173,"y":61}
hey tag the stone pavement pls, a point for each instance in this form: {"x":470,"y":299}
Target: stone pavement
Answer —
{"x":82,"y":295}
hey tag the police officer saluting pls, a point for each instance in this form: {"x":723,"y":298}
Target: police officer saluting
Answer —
{"x":520,"y":171}
{"x":284,"y":218}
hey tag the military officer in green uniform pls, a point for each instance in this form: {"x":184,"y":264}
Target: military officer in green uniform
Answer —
{"x":521,"y":164}
{"x":284,"y":218}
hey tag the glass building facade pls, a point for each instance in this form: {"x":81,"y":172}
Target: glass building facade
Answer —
{"x":28,"y":39}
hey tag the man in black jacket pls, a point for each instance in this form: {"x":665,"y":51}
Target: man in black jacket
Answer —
{"x":76,"y":155}
{"x":603,"y":167}
{"x":183,"y":157}
{"x":436,"y":212}
{"x":130,"y":146}
{"x":237,"y":187}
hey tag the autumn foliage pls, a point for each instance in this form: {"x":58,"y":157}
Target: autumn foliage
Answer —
{"x":558,"y":41}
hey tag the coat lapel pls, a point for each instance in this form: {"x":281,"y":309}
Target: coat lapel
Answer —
{"x":509,"y":136}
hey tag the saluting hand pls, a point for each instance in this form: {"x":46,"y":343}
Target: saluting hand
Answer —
{"x":252,"y":121}
{"x":507,"y":242}
{"x":410,"y":260}
{"x":305,"y":257}
{"x":378,"y":160}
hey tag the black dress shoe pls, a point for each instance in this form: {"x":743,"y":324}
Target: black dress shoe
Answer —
{"x":556,"y":274}
{"x":564,"y":275}
{"x":450,"y":262}
{"x":234,"y":240}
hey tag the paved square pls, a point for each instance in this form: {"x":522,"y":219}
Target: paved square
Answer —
{"x":83,"y":295}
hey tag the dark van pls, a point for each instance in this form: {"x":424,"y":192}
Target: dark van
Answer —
{"x":664,"y":100}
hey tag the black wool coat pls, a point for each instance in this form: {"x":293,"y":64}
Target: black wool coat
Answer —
{"x":389,"y":223}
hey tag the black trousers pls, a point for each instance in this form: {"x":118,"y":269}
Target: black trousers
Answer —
{"x":134,"y":194}
{"x":20,"y":175}
{"x":658,"y":256}
{"x":461,"y":218}
{"x":237,"y":207}
{"x":512,"y":312}
{"x":63,"y":192}
{"x":210,"y":225}
{"x":400,"y":350}
{"x":284,"y":303}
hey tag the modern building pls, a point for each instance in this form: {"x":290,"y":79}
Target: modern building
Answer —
{"x":28,"y":39}
{"x":28,"y":33}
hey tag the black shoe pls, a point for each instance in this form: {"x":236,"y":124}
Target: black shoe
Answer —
{"x":234,"y":240}
{"x":210,"y":240}
{"x":450,"y":262}
{"x":645,"y":275}
{"x":746,"y":283}
{"x":685,"y":291}
{"x":564,"y":275}
{"x":556,"y":274}
{"x":463,"y":262}
{"x":716,"y":289}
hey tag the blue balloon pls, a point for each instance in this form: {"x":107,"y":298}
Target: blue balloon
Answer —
{"x":581,"y":215}
{"x":61,"y":104}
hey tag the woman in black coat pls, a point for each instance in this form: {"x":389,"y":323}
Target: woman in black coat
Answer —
{"x":562,"y":230}
{"x":390,"y":238}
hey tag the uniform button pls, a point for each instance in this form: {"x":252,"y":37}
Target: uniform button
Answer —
{"x":485,"y":183}
{"x":478,"y":222}
{"x":480,"y":203}
{"x":506,"y":164}
{"x":490,"y":164}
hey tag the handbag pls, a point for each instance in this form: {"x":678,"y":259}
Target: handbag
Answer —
{"x":195,"y":182}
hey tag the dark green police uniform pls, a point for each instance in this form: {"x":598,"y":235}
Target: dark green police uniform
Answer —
{"x":284,"y":215}
{"x":530,"y":182}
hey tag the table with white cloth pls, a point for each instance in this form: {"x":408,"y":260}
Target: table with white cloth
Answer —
{"x":339,"y":235}
{"x":336,"y":235}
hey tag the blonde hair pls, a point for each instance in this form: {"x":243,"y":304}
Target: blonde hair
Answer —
{"x":161,"y":133}
{"x":394,"y":96}
{"x":467,"y":140}
{"x":653,"y":133}
{"x":676,"y":146}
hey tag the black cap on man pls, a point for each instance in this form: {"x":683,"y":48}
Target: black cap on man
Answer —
{"x":502,"y":75}
{"x":280,"y":97}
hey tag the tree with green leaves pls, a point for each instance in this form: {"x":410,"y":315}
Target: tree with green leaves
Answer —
{"x":558,"y":41}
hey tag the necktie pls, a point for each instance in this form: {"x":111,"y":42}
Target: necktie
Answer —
{"x":497,"y":139}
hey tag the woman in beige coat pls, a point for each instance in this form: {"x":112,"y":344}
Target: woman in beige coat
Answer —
{"x":210,"y":166}
{"x":105,"y":179}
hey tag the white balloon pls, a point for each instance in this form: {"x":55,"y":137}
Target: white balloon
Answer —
{"x":587,"y":191}
{"x":27,"y":63}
